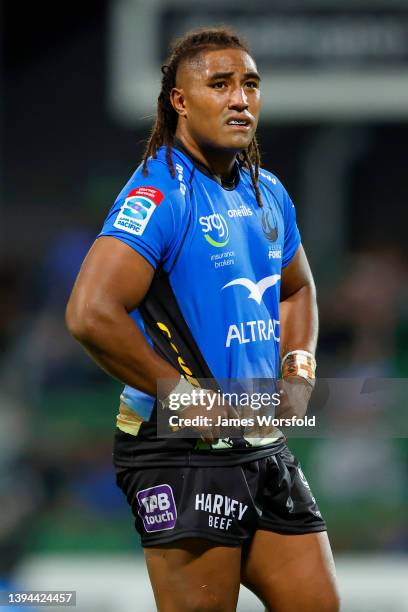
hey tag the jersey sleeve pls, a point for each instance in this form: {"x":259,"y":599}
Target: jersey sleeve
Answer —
{"x":292,"y":235}
{"x":148,"y":214}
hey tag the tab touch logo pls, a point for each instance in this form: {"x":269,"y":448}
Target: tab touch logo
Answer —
{"x":215,"y":229}
{"x":157,"y":508}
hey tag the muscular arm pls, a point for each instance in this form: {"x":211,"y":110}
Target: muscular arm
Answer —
{"x":298,"y":307}
{"x":299,"y":327}
{"x":113,"y":281}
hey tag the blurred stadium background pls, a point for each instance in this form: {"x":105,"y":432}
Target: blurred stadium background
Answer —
{"x":79,"y":83}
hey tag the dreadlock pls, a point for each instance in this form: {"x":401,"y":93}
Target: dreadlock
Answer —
{"x":164,"y":128}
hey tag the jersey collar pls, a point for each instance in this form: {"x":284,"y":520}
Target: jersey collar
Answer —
{"x":228,"y":185}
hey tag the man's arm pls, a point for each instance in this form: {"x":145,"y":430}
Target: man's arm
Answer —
{"x":298,"y":307}
{"x":299,"y":328}
{"x":112,"y":282}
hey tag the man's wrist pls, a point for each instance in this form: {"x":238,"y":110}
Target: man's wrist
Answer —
{"x":299,"y":363}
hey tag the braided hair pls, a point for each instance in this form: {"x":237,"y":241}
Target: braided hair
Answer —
{"x":164,"y":128}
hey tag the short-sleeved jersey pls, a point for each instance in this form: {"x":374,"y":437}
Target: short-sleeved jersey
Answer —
{"x":212,"y":310}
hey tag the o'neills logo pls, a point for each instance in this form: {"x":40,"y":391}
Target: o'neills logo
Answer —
{"x":242,"y":211}
{"x":157,"y":508}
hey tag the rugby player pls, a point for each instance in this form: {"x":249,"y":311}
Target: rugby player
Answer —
{"x":197,"y":256}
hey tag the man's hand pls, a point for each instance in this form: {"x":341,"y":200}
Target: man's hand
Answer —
{"x":216,"y":418}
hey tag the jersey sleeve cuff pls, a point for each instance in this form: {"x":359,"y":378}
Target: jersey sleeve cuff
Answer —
{"x":139,"y":248}
{"x":288,"y":258}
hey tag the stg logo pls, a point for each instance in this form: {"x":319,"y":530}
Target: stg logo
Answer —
{"x":215,"y":229}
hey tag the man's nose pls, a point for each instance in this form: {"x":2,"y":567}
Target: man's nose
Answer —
{"x":238,"y":99}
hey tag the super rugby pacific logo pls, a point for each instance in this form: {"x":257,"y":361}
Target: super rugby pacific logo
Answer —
{"x":137,"y":209}
{"x":215,"y":230}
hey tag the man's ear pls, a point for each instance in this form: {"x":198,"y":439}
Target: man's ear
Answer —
{"x":178,"y":101}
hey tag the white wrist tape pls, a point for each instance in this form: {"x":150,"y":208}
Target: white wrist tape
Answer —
{"x":182,"y":387}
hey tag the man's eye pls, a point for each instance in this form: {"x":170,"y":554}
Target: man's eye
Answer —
{"x":252,"y":84}
{"x":219,"y":85}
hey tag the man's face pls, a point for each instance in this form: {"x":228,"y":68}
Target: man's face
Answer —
{"x":218,"y":99}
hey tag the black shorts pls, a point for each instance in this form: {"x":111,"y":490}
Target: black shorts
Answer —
{"x":223,"y":504}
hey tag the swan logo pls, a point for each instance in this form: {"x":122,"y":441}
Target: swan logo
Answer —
{"x":256,"y":290}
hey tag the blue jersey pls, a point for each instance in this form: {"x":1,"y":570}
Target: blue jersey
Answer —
{"x":213,"y":307}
